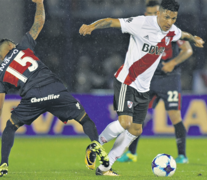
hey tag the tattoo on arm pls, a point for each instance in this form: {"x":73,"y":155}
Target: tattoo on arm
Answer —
{"x":101,"y":24}
{"x":39,"y":21}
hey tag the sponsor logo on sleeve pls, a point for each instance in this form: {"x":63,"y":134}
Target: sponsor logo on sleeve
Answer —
{"x":128,"y":20}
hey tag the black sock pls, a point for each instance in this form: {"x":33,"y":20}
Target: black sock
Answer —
{"x":133,"y":146}
{"x":89,"y":128}
{"x":180,"y":134}
{"x":7,"y":141}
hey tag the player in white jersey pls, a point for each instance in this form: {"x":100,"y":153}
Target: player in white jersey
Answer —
{"x":149,"y":37}
{"x":168,"y":70}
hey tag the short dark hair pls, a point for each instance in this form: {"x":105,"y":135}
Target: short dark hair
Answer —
{"x":152,"y":3}
{"x":171,"y":5}
{"x":4,"y":40}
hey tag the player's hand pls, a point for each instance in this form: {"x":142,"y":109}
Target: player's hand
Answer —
{"x":85,"y":29}
{"x":198,"y":42}
{"x":169,"y":66}
{"x":37,"y":1}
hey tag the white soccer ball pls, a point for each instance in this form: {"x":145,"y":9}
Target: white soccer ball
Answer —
{"x":163,"y":165}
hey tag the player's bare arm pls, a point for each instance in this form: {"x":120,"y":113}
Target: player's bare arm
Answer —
{"x":198,"y":42}
{"x":100,"y":24}
{"x":2,"y":97}
{"x":39,"y":19}
{"x":185,"y":53}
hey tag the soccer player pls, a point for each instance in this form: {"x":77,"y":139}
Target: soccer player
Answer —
{"x":40,"y":90}
{"x":150,"y":35}
{"x":168,"y":70}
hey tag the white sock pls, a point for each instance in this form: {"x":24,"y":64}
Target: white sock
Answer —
{"x":121,"y":144}
{"x":110,"y":132}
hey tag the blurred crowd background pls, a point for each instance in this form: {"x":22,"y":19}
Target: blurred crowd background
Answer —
{"x":87,"y":64}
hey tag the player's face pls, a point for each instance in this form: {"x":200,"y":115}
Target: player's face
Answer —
{"x":166,"y":19}
{"x":151,"y":11}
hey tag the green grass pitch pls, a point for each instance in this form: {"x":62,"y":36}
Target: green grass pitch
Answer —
{"x":63,"y":158}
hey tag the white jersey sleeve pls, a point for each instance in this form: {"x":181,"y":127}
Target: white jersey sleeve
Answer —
{"x":178,"y":33}
{"x":132,"y":25}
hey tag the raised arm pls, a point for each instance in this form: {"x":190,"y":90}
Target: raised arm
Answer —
{"x":185,"y":52}
{"x":100,"y":24}
{"x":39,"y":19}
{"x":2,"y":97}
{"x":198,"y":42}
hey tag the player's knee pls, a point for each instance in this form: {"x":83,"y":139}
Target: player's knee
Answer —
{"x":86,"y":119}
{"x":175,"y":116}
{"x":125,"y":122}
{"x":11,"y":126}
{"x":136,"y":129}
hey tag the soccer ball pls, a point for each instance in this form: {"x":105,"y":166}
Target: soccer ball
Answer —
{"x":163,"y":165}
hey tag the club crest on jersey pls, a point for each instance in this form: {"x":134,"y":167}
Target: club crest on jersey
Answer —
{"x":167,"y":40}
{"x":129,"y":104}
{"x":152,"y":49}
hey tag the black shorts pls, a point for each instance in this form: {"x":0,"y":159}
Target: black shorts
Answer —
{"x":128,"y":101}
{"x":53,"y":98}
{"x":167,"y":88}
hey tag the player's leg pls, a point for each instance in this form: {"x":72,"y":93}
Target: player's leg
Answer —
{"x":95,"y":147}
{"x":66,"y":107}
{"x":171,"y":94}
{"x":122,"y":94}
{"x":7,"y":142}
{"x":21,"y":115}
{"x":180,"y":134}
{"x":123,"y":141}
{"x":130,"y":155}
{"x":139,"y":107}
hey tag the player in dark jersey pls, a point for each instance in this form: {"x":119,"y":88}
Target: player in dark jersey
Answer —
{"x":40,"y":90}
{"x":166,"y":85}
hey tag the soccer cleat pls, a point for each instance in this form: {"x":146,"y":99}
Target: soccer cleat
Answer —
{"x":3,"y":169}
{"x":100,"y":152}
{"x":128,"y":157}
{"x":106,"y":173}
{"x":181,"y":159}
{"x":90,"y":158}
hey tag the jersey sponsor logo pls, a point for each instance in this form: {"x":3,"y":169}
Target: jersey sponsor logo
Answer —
{"x":152,"y":49}
{"x":129,"y":20}
{"x":7,"y":60}
{"x":49,"y":97}
{"x":129,"y":104}
{"x":173,"y":104}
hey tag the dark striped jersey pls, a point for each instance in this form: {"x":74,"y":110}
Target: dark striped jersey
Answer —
{"x":21,"y":69}
{"x":171,"y":51}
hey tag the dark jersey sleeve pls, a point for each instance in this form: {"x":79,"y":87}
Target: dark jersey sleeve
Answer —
{"x":2,"y":88}
{"x":27,"y":42}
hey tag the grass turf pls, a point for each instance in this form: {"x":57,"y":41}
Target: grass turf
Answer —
{"x":63,"y":158}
